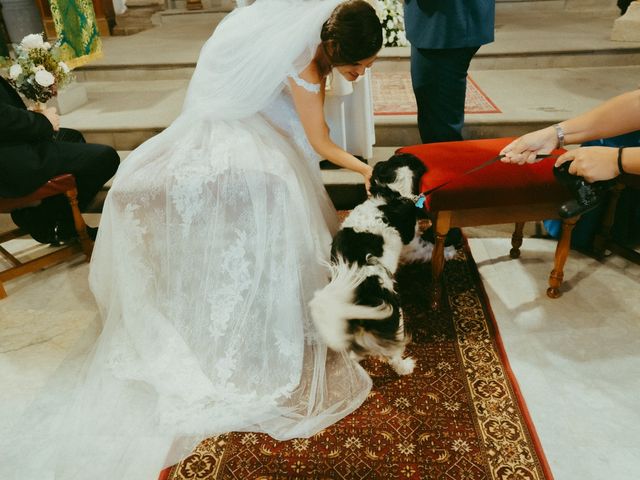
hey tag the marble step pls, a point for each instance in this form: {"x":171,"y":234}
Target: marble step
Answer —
{"x":124,"y":114}
{"x":183,"y":16}
{"x":345,"y":187}
{"x":529,"y":35}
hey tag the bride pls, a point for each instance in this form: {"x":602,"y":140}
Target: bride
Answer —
{"x":209,"y":249}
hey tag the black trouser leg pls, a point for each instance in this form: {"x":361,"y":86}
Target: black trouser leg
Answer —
{"x":91,"y":164}
{"x":439,"y":78}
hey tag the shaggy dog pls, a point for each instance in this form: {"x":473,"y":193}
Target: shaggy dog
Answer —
{"x":359,"y":310}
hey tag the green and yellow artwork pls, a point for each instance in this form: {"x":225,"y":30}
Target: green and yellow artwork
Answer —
{"x":75,"y":24}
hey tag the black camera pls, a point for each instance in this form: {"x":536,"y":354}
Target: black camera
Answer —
{"x":587,"y":196}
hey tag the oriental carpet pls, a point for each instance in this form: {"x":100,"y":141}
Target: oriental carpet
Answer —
{"x":459,"y":416}
{"x":393,"y":95}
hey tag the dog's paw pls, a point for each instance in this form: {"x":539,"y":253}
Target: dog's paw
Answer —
{"x":404,"y":366}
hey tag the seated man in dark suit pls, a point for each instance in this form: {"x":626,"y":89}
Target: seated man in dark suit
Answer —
{"x":34,"y":149}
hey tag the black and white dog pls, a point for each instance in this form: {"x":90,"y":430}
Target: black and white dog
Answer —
{"x":359,"y":310}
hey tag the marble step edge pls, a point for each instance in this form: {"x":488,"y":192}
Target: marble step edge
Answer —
{"x":345,"y":188}
{"x":338,"y":176}
{"x":184,"y":11}
{"x":174,"y":16}
{"x":387,"y":134}
{"x":518,"y":60}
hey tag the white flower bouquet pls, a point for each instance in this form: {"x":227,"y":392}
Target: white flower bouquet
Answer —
{"x":392,"y":17}
{"x":36,"y":70}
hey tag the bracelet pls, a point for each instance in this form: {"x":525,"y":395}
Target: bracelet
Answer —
{"x":560,"y":135}
{"x":620,"y":169}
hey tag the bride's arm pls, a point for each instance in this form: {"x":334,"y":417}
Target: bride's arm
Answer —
{"x":310,"y":108}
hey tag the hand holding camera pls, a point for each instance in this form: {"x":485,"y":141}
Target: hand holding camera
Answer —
{"x":587,"y":196}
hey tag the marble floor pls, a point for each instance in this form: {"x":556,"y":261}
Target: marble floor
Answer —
{"x":577,"y":358}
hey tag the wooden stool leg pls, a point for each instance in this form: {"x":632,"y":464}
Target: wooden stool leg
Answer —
{"x":562,"y":251}
{"x":441,"y":228}
{"x":603,"y":236}
{"x":81,"y":227}
{"x":3,"y":292}
{"x":516,"y":240}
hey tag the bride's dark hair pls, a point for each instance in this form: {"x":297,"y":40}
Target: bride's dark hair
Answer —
{"x":353,"y":32}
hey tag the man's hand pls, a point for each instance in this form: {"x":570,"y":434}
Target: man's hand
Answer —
{"x":53,"y":117}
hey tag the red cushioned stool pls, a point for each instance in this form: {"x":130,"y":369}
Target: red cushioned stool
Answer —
{"x":498,"y":193}
{"x":62,"y":184}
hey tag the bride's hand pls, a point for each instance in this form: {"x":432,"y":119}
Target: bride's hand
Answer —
{"x":366,"y":173}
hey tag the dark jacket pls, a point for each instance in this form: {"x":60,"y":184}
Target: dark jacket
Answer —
{"x":23,"y":136}
{"x":449,"y":23}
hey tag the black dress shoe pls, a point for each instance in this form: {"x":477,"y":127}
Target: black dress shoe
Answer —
{"x":587,"y":196}
{"x":64,"y":234}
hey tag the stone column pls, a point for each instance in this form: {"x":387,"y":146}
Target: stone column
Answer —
{"x":21,"y":18}
{"x":627,"y":27}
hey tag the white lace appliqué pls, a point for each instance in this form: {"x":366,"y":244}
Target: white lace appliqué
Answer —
{"x":308,"y":86}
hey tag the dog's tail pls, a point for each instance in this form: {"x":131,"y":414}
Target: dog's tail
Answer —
{"x":333,"y":306}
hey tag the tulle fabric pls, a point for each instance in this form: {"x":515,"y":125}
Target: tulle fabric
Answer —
{"x":243,"y":67}
{"x":210,"y":247}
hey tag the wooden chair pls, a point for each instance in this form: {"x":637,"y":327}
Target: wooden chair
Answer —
{"x":603,"y":239}
{"x":499,"y":193}
{"x":62,"y":184}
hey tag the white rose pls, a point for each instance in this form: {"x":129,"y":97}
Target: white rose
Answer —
{"x":45,"y":78}
{"x":46,"y":45}
{"x":64,"y":67}
{"x":15,"y":71}
{"x":32,"y":41}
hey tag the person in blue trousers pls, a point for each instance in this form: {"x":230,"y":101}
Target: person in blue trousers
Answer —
{"x":444,"y":37}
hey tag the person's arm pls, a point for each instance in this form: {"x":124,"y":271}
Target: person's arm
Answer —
{"x":17,"y":124}
{"x":310,"y":108}
{"x":616,"y":116}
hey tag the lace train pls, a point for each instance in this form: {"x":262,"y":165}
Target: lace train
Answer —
{"x":208,"y":253}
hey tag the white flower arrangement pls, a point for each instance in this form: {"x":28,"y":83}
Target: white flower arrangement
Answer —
{"x":392,"y":17}
{"x":36,"y":70}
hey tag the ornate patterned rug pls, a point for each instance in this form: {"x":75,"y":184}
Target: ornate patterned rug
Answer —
{"x":459,"y":416}
{"x":393,"y":95}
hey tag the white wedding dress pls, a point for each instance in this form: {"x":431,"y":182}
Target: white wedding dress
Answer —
{"x":210,"y":247}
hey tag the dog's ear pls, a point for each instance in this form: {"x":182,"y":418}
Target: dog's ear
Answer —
{"x":415,"y":165}
{"x":408,"y":160}
{"x":383,"y":173}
